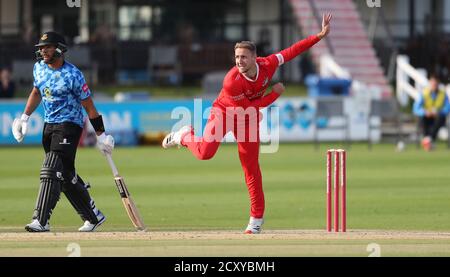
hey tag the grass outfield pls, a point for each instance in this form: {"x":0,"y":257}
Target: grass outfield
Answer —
{"x":387,"y":191}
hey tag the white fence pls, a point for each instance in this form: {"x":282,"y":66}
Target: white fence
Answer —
{"x":330,"y":68}
{"x":405,"y":73}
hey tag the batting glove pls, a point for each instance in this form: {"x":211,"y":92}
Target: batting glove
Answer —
{"x":105,"y":143}
{"x":20,"y":127}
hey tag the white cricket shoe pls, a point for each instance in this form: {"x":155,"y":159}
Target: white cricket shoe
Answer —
{"x":90,"y":227}
{"x":35,"y":226}
{"x":254,"y":225}
{"x":174,"y":138}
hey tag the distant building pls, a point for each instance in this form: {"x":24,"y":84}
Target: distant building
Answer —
{"x":215,"y":25}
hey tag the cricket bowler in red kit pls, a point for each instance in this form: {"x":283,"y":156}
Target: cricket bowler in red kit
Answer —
{"x":236,"y":110}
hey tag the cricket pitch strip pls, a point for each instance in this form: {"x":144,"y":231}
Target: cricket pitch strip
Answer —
{"x":228,"y":235}
{"x":293,"y":243}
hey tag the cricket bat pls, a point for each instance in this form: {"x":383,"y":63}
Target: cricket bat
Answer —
{"x":127,"y":201}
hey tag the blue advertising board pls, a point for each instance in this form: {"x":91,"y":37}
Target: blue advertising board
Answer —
{"x":142,"y":117}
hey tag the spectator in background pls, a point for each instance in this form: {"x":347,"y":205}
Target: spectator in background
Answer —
{"x":103,"y":35}
{"x":264,"y":42}
{"x":103,"y":49}
{"x":306,"y":66}
{"x":7,"y":86}
{"x":187,"y":36}
{"x":432,"y":106}
{"x":443,"y":60}
{"x":29,"y":34}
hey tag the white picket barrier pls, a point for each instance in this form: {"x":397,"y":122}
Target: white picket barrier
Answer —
{"x":330,"y":68}
{"x":405,"y":72}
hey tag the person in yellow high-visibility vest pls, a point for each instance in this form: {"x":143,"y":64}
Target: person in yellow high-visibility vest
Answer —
{"x":432,"y":106}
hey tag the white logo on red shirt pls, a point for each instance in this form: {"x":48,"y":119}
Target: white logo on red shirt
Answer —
{"x":258,"y":94}
{"x":238,"y":97}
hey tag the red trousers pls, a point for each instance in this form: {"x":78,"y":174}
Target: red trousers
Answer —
{"x":246,"y":133}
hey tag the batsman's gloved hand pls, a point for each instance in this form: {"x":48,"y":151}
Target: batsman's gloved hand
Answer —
{"x":20,"y":127}
{"x":105,"y":144}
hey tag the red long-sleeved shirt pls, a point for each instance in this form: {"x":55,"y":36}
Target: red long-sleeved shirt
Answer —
{"x":240,"y":91}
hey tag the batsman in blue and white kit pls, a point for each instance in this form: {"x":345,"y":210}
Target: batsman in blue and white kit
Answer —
{"x":63,"y":91}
